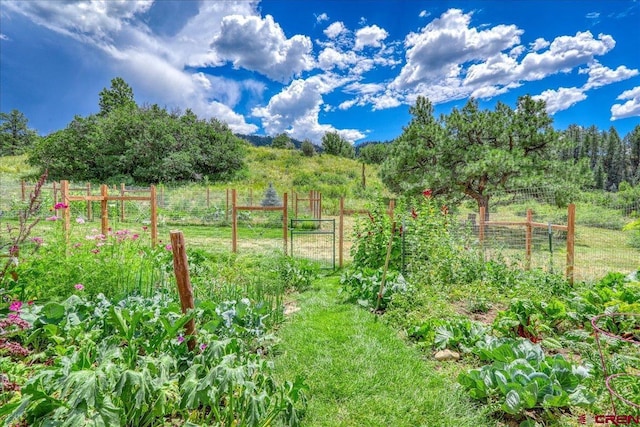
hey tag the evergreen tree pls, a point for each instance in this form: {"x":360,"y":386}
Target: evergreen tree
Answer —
{"x":15,"y":135}
{"x":613,"y":161}
{"x":632,"y":144}
{"x":119,"y":95}
{"x":271,"y":197}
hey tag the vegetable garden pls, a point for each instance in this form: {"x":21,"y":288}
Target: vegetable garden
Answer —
{"x":92,"y":332}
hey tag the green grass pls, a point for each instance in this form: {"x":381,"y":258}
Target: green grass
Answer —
{"x":361,"y":373}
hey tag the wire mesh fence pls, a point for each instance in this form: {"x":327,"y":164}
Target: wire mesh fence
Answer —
{"x":314,"y":239}
{"x":601,"y":244}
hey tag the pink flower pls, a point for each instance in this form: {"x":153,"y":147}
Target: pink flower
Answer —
{"x":180,"y":339}
{"x":60,"y":206}
{"x":79,"y":286}
{"x":135,"y":236}
{"x":15,"y":306}
{"x":77,"y":245}
{"x":52,"y":218}
{"x":95,"y":251}
{"x":80,"y":220}
{"x":202,"y":347}
{"x":37,"y":240}
{"x":168,"y":247}
{"x":144,"y":228}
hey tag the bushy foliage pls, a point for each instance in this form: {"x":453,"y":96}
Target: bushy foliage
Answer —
{"x":333,"y":143}
{"x":131,"y":144}
{"x":307,"y":148}
{"x":374,"y":152}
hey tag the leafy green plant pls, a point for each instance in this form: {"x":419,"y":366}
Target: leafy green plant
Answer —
{"x":128,"y":364}
{"x":521,"y":378}
{"x":363,"y":286}
{"x":459,"y":334}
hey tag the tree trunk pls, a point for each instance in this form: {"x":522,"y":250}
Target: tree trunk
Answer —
{"x":483,"y":201}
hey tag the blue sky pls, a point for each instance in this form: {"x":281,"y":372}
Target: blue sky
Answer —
{"x":310,"y":67}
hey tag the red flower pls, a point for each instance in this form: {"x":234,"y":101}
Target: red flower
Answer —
{"x":427,"y":193}
{"x":414,"y":214}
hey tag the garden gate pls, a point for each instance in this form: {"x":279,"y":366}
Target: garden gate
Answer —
{"x":314,"y":239}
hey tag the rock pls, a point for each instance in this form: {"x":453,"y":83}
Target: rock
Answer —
{"x":444,"y":355}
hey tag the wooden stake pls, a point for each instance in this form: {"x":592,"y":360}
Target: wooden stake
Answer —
{"x":571,"y":235}
{"x":386,"y":265}
{"x":22,"y":187}
{"x":181,"y":270}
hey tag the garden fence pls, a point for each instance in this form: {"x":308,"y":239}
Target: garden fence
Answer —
{"x":601,"y":245}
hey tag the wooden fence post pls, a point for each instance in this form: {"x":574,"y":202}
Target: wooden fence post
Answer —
{"x":319,"y":205}
{"x":234,"y":220}
{"x":66,"y":213}
{"x":571,"y":235}
{"x":181,"y":271}
{"x":89,"y":213}
{"x":528,"y":238}
{"x":154,"y":216}
{"x":285,"y":220}
{"x":22,"y":188}
{"x":341,"y":233}
{"x":122,"y":190}
{"x":55,"y":197}
{"x":104,"y":209}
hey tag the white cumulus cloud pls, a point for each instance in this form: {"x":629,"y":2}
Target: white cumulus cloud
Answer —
{"x":259,"y":44}
{"x":370,"y":36}
{"x":561,"y":99}
{"x":631,"y":108}
{"x":335,"y":29}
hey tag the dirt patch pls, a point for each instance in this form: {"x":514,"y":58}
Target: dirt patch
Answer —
{"x":486,"y":318}
{"x":290,"y":308}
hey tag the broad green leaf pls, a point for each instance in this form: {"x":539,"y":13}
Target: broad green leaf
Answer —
{"x":581,"y":397}
{"x":512,"y":403}
{"x":557,"y":401}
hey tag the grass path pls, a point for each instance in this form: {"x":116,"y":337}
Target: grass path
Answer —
{"x":360,"y":373}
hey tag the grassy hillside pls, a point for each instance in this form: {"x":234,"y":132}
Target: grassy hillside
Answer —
{"x":285,"y":169}
{"x":289,"y":169}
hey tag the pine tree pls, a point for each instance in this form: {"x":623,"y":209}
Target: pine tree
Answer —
{"x":271,"y":197}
